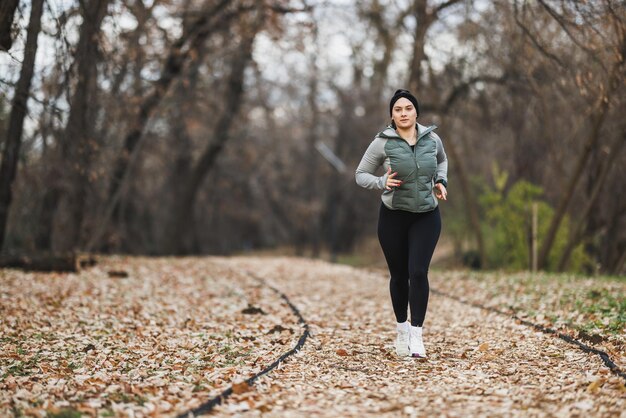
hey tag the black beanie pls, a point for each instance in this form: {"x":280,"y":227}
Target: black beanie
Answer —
{"x":407,"y":95}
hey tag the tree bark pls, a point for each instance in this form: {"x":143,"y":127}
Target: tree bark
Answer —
{"x":13,"y":141}
{"x":7,"y":13}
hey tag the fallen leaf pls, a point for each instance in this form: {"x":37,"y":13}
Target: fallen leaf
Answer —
{"x":595,"y":385}
{"x":239,"y":388}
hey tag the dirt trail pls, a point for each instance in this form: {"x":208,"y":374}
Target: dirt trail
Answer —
{"x":480,"y":363}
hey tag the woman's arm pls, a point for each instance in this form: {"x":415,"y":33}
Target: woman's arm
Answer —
{"x":441,"y":176}
{"x":372,"y":159}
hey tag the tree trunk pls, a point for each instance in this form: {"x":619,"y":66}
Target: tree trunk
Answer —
{"x":79,"y":144}
{"x":470,"y":199}
{"x":313,"y":235}
{"x":76,"y":149}
{"x":577,"y":235}
{"x":7,"y":12}
{"x":615,"y":82}
{"x":13,"y":142}
{"x":559,"y":214}
{"x":386,"y":40}
{"x":183,"y":160}
{"x":220,"y":136}
{"x":423,"y":20}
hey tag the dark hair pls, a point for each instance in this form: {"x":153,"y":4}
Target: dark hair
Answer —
{"x":407,"y":95}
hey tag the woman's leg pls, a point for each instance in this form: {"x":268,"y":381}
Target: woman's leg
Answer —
{"x":423,"y":237}
{"x":393,"y":238}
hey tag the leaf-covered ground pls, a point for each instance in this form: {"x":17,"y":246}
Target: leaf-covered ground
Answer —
{"x":592,"y":310}
{"x":178,"y":331}
{"x":164,"y":339}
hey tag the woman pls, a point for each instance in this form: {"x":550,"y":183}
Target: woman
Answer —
{"x":409,"y":222}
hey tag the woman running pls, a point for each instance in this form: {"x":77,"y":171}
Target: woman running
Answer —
{"x":409,"y":224}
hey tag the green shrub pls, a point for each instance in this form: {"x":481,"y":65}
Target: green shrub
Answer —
{"x":507,"y":224}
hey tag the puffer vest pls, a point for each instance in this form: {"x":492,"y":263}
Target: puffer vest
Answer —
{"x":416,"y":168}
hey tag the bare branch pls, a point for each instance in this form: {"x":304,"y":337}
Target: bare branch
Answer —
{"x":445,"y":5}
{"x":285,"y":10}
{"x":559,"y":19}
{"x":459,"y":91}
{"x":535,"y":42}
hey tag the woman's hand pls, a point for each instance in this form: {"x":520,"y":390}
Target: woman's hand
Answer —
{"x":440,"y":192}
{"x":391,"y":181}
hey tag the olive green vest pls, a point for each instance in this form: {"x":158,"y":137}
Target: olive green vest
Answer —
{"x":417,"y":168}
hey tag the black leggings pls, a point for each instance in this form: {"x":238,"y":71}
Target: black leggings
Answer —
{"x":408,"y":241}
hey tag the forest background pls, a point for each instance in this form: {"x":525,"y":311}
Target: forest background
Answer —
{"x":174,"y":127}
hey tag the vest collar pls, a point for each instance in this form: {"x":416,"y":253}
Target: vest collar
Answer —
{"x":422,"y":130}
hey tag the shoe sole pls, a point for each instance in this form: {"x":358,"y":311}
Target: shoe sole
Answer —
{"x":417,"y":356}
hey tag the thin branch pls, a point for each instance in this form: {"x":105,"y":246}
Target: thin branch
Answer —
{"x":562,"y":24}
{"x":285,"y":10}
{"x":535,"y":41}
{"x":458,"y":92}
{"x":445,"y":5}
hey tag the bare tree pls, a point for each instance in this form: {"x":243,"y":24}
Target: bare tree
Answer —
{"x":425,"y":15}
{"x":578,"y":234}
{"x":609,"y":89}
{"x":208,"y":21}
{"x":18,"y":112}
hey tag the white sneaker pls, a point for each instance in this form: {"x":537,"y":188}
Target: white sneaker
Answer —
{"x":402,"y":340}
{"x":416,"y":345}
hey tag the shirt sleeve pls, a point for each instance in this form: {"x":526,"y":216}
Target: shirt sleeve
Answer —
{"x":442,"y":161}
{"x":372,"y":159}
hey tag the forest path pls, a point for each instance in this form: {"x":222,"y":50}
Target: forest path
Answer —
{"x":479,"y":363}
{"x":137,"y":337}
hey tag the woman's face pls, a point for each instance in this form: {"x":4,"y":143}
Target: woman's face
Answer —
{"x":403,"y":113}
